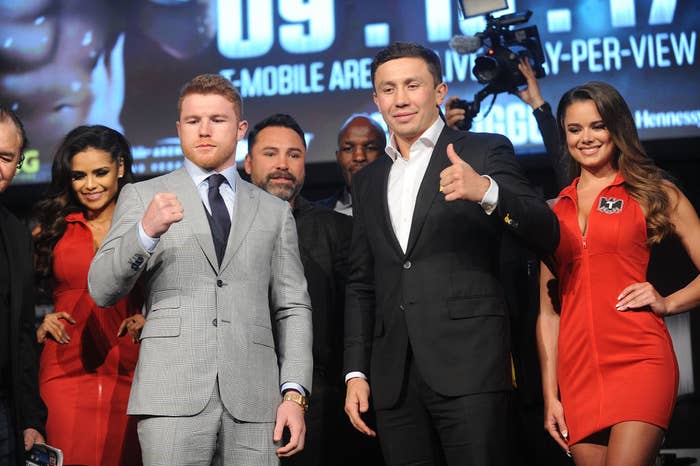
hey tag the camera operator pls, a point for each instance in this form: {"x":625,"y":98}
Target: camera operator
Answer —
{"x":542,"y":111}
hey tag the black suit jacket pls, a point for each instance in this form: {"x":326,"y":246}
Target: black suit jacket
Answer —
{"x":28,"y":409}
{"x":324,"y":243}
{"x":330,"y":201}
{"x":443,"y":295}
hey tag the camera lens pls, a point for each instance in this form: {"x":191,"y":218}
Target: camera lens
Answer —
{"x":486,"y":69}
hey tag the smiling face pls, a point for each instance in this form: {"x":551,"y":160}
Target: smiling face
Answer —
{"x":275,"y":162}
{"x":94,"y":179}
{"x":407,"y":97}
{"x":209,"y":129}
{"x":587,"y":137}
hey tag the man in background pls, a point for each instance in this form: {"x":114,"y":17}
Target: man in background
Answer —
{"x":275,"y":163}
{"x":22,"y":413}
{"x":360,"y":141}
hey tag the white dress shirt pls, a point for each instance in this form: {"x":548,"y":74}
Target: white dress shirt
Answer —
{"x":344,"y":203}
{"x":405,"y":177}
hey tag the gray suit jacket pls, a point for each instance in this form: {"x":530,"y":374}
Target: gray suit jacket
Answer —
{"x":247,"y":323}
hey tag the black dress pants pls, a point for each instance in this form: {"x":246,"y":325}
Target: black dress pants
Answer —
{"x":426,"y":428}
{"x":7,"y":432}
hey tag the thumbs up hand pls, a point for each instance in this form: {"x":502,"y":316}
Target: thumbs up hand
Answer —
{"x":460,"y":181}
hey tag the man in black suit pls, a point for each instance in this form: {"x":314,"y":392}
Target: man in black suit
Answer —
{"x":22,"y":413}
{"x":426,"y":323}
{"x":275,"y":163}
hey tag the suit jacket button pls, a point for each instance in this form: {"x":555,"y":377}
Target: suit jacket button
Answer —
{"x":215,"y":323}
{"x":402,"y":307}
{"x":407,"y":265}
{"x":219,"y":283}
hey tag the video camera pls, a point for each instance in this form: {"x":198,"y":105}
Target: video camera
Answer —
{"x":497,"y":66}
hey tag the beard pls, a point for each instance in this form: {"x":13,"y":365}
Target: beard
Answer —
{"x":284,"y":191}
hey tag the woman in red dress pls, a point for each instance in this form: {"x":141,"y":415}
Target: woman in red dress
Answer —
{"x":609,"y":372}
{"x":86,"y":367}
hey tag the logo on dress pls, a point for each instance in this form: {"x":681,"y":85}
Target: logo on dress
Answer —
{"x":610,"y":205}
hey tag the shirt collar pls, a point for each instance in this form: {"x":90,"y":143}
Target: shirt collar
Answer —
{"x":570,"y":191}
{"x":199,"y":175}
{"x":75,"y":217}
{"x":428,"y":139}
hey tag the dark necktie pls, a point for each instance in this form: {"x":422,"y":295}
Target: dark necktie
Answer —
{"x":221,"y":222}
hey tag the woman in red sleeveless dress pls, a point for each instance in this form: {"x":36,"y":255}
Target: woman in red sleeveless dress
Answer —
{"x":608,"y":368}
{"x":86,"y":368}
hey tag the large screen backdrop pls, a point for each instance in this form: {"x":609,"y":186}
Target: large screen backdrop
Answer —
{"x":68,"y":62}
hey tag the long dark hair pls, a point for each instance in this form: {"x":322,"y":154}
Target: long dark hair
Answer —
{"x":644,"y":180}
{"x":60,"y":200}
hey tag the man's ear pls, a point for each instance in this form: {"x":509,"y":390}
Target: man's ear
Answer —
{"x":248,"y":164}
{"x":242,"y":129}
{"x":440,"y":93}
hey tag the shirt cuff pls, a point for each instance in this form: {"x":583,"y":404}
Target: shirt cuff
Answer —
{"x":354,"y":374}
{"x":292,"y":386}
{"x":148,"y":243}
{"x":544,"y":109}
{"x":490,"y":199}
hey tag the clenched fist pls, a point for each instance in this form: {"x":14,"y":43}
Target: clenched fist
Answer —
{"x":163,"y":210}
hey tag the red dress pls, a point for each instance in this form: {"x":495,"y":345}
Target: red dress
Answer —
{"x":85,"y":383}
{"x":612,"y":366}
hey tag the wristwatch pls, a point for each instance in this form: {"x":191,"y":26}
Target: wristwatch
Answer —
{"x":297,"y":398}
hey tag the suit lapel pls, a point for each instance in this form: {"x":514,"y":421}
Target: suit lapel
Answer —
{"x":383,"y":174}
{"x":195,"y":218}
{"x":429,"y":188}
{"x":245,"y":209}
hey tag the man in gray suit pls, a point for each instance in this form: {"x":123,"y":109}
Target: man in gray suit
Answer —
{"x":225,"y":360}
